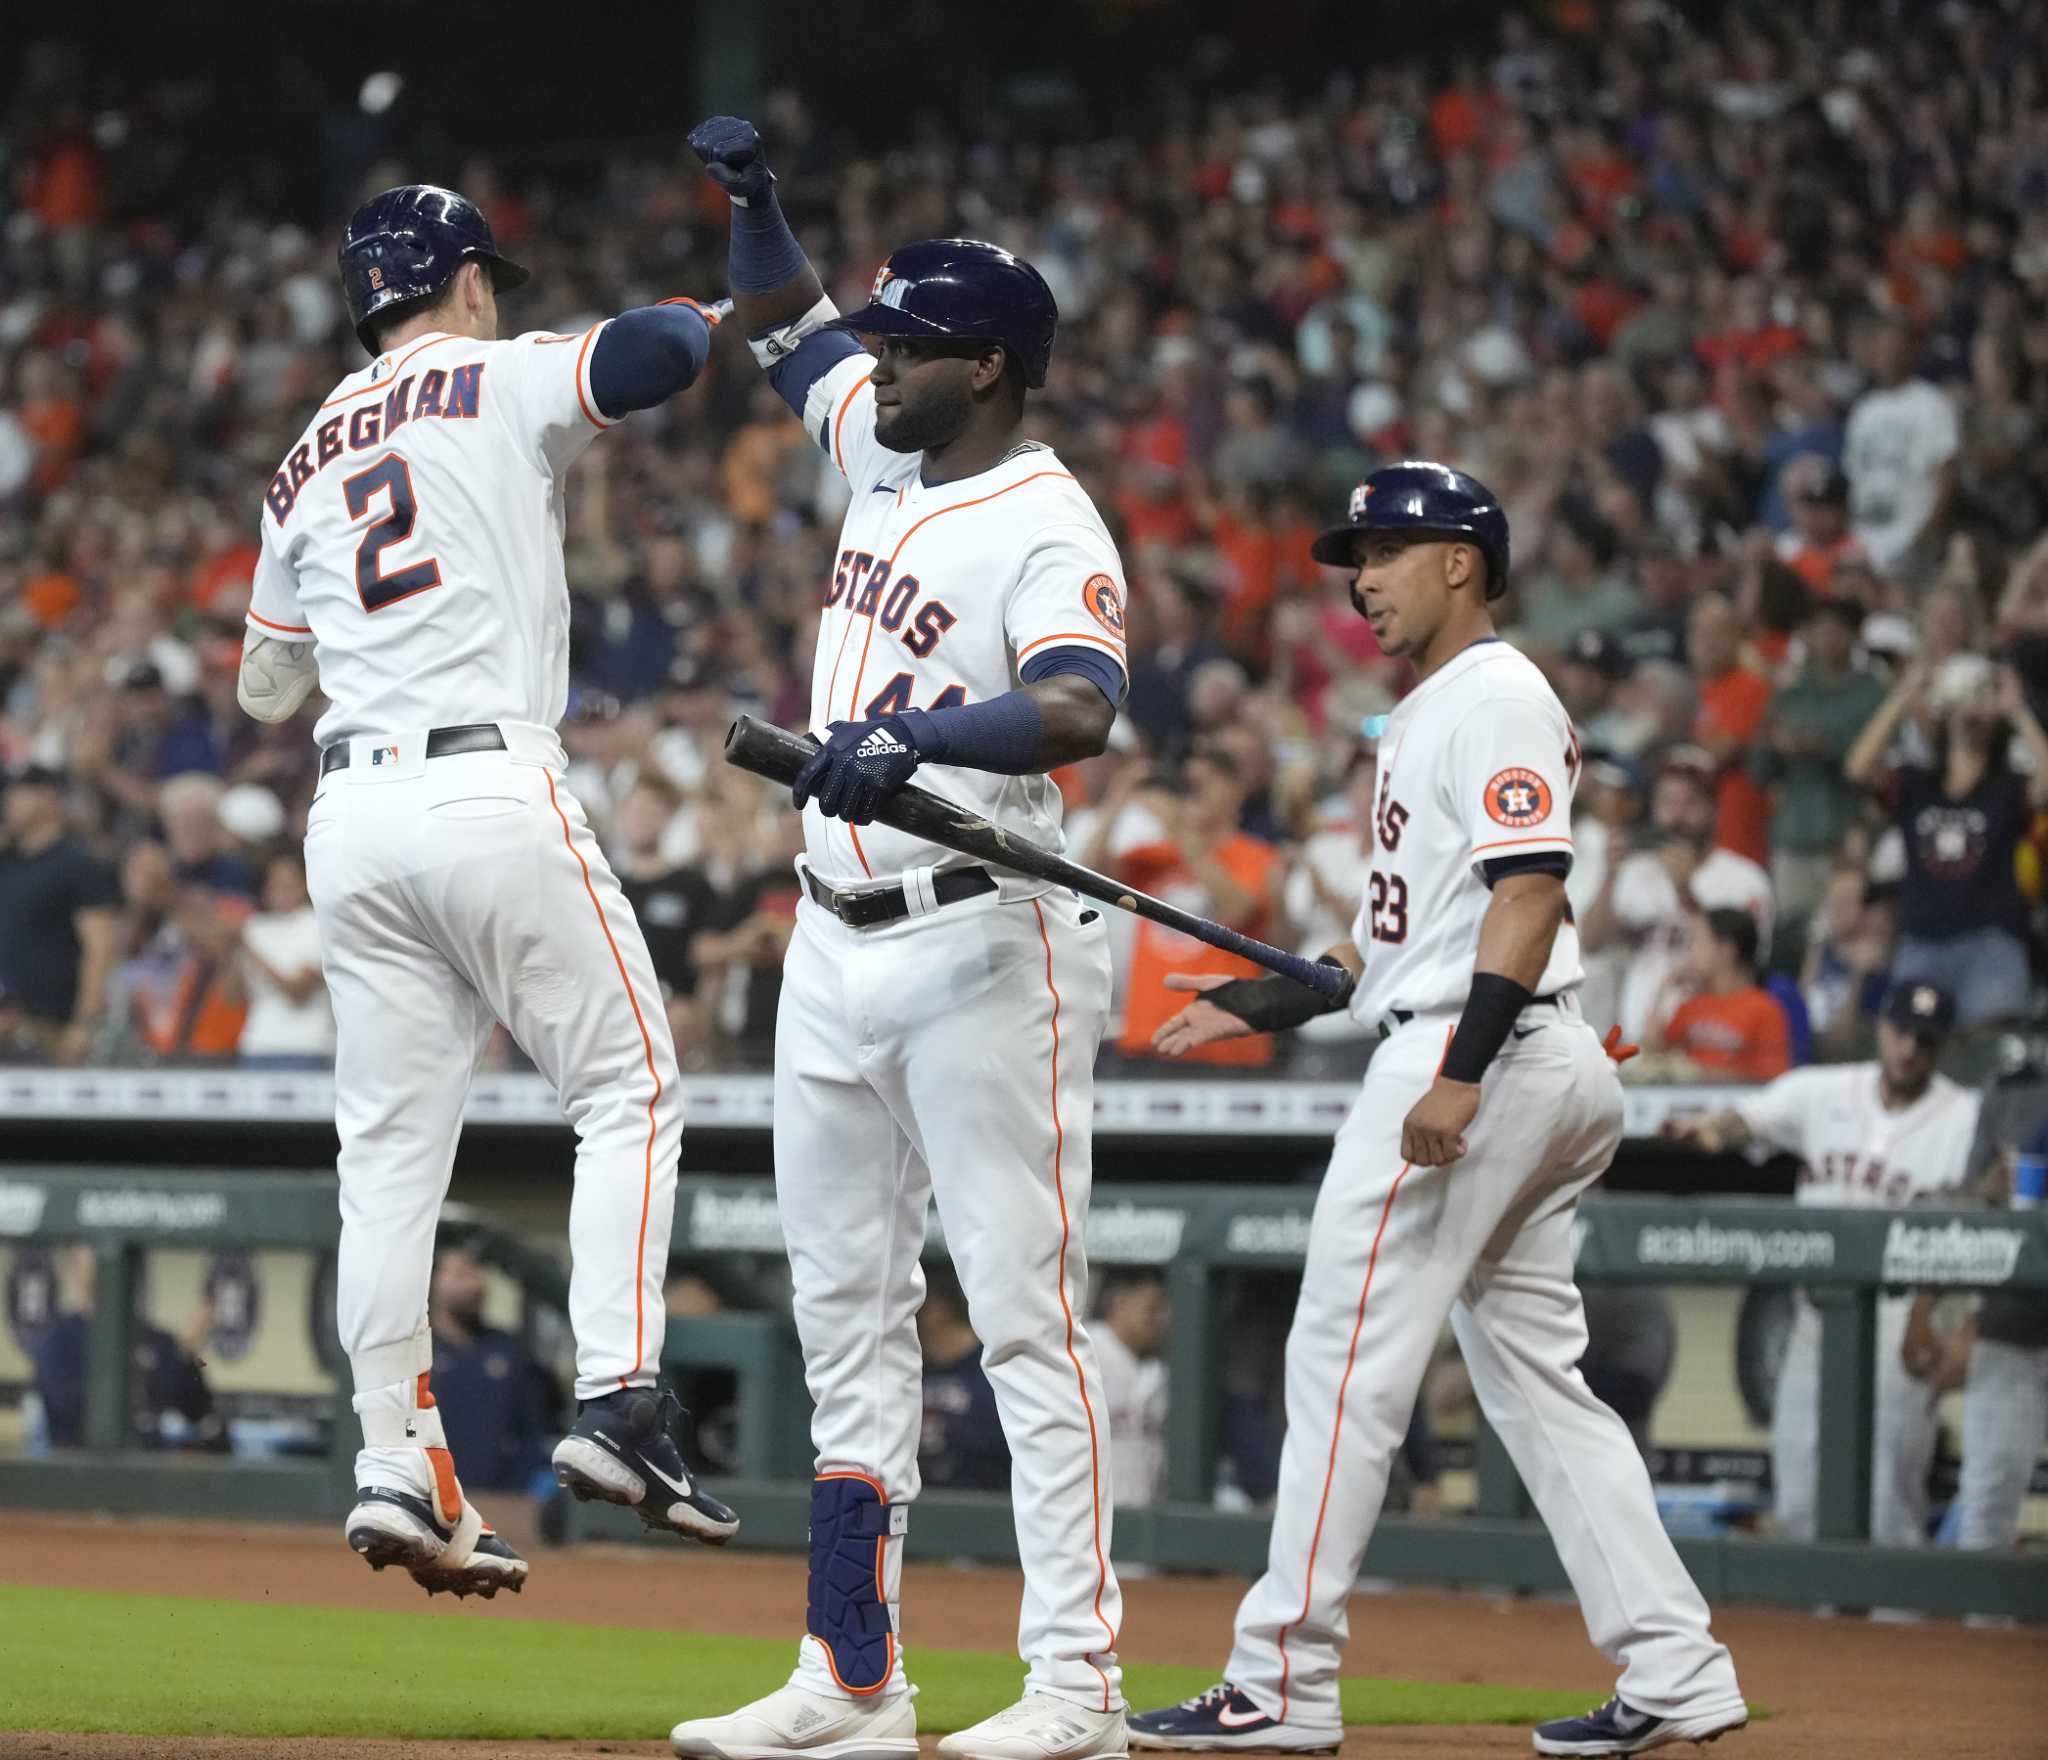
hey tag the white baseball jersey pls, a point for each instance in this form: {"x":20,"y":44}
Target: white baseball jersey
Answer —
{"x":1137,"y":1390}
{"x":1856,"y":1153}
{"x":415,"y":534}
{"x":938,"y":596}
{"x":1478,"y":762}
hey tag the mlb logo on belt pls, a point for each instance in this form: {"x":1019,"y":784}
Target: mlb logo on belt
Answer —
{"x":1518,"y":798}
{"x":383,"y":754}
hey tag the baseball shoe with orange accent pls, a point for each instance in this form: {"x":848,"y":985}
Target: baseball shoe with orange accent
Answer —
{"x":1619,"y":1728}
{"x":623,"y":1449}
{"x":403,"y":1528}
{"x":1225,"y":1720}
{"x":1041,"y":1726}
{"x":793,"y":1724}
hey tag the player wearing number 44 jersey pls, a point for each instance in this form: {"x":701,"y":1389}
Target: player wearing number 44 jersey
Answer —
{"x":1488,"y":1108}
{"x":411,"y":566}
{"x":939,"y":1022}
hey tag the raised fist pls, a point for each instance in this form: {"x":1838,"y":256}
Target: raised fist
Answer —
{"x":731,"y":150}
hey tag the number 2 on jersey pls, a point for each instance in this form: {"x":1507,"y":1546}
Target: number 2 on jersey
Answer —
{"x":1389,"y":908}
{"x":390,"y":475}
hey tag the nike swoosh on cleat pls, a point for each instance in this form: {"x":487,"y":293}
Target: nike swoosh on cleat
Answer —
{"x":1240,"y":1719}
{"x":682,"y":1490}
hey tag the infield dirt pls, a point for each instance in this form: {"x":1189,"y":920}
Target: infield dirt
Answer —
{"x":1838,"y":1689}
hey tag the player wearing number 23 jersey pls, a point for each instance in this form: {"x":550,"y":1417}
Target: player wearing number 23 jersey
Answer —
{"x":1489,"y":1107}
{"x":1476,"y":770}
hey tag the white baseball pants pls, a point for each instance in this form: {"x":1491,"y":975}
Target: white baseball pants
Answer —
{"x":950,"y":1058}
{"x":1905,"y":1429}
{"x":450,"y":892}
{"x":2005,"y":1425}
{"x":1393,"y":1248}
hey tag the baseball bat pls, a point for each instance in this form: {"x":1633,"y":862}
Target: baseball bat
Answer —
{"x":769,"y":751}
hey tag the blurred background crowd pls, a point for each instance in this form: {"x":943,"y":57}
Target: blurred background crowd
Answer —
{"x":1747,"y":326}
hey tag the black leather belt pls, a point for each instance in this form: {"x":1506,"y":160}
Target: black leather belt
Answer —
{"x":863,"y":910}
{"x":1402,"y":1016}
{"x":442,"y":742}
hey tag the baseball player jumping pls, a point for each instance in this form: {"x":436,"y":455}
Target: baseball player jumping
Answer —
{"x":411,"y":567}
{"x":1870,"y":1136}
{"x":1489,"y":1107}
{"x":938,"y":1025}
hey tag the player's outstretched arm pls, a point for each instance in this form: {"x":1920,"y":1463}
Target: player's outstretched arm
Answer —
{"x":1235,"y":1008}
{"x":773,"y":283}
{"x":1710,"y":1132}
{"x":645,"y":356}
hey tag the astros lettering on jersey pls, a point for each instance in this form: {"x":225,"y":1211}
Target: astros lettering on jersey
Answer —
{"x":939,"y":594}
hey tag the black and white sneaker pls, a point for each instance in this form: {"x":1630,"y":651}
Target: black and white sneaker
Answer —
{"x":1619,"y":1728}
{"x":1224,"y":1720}
{"x":389,"y":1527}
{"x":623,"y":1449}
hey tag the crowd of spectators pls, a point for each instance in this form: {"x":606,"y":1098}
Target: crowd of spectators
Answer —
{"x":1746,"y":320}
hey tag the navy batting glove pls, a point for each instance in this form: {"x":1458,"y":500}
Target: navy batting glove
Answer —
{"x":731,"y":150}
{"x":860,"y":765}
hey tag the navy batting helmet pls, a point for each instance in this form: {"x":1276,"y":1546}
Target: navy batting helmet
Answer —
{"x":406,"y":245}
{"x":962,"y":287}
{"x":1417,"y":496}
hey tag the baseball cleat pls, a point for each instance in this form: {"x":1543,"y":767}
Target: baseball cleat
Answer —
{"x":1225,"y":1719}
{"x":792,"y":1724}
{"x":1619,"y":1728}
{"x":623,"y":1449}
{"x":1040,"y":1727}
{"x":399,"y":1527}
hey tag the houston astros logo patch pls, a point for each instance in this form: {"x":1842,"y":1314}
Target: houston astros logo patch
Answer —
{"x":1105,"y":604}
{"x":1517,"y":798}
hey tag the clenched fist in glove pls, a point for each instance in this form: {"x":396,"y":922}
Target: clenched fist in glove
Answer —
{"x":731,"y":150}
{"x":858,"y":767}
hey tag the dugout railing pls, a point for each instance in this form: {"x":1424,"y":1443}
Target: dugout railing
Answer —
{"x":1844,"y":1258}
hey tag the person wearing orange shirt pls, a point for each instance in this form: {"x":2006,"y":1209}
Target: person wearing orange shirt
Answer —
{"x":1732,"y":704}
{"x":1205,"y":864}
{"x":1817,"y":495}
{"x":1730,"y":1026}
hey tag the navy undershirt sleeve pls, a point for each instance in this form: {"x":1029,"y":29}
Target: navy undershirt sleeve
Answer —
{"x":1089,"y":663}
{"x":645,"y":356}
{"x":1549,"y":861}
{"x":814,"y":357}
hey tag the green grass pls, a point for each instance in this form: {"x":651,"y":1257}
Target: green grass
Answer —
{"x":84,"y":1660}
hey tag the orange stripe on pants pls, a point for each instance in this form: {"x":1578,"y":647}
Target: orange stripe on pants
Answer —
{"x":1337,"y":1428}
{"x":1059,"y":1137}
{"x":653,"y":1075}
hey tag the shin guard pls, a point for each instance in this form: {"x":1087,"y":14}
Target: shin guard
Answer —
{"x":856,"y":1579}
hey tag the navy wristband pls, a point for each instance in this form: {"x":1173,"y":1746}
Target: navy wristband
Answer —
{"x":763,"y":254}
{"x":1490,"y":1011}
{"x":1002,"y":735}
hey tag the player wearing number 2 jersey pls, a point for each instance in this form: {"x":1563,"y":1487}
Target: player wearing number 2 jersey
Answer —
{"x":411,"y":565}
